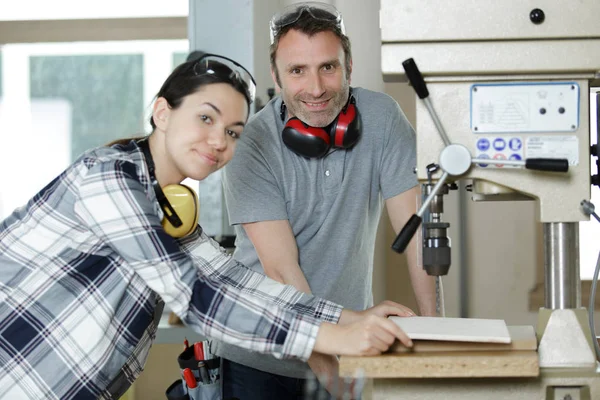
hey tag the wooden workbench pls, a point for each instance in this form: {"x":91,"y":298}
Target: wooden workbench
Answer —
{"x":452,"y":359}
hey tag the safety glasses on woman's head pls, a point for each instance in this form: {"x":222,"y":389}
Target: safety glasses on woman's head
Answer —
{"x":318,"y":11}
{"x":226,"y":68}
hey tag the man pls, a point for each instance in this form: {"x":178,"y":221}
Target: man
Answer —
{"x":309,"y":217}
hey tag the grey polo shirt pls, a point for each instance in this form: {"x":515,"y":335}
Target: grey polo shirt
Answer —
{"x":333,"y":203}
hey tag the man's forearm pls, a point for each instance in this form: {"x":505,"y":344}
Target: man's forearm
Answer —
{"x":423,"y":284}
{"x":293,"y":276}
{"x":277,"y":252}
{"x":424,"y":287}
{"x":400,"y":208}
{"x":289,"y":275}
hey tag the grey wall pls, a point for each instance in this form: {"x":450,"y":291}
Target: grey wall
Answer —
{"x":224,"y":27}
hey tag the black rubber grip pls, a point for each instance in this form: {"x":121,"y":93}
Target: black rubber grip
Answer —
{"x":406,"y":234}
{"x":415,"y":78}
{"x":548,"y":164}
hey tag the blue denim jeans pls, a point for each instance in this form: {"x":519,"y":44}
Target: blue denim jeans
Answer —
{"x":246,"y":383}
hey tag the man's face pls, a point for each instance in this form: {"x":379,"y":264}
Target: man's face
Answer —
{"x":312,"y":76}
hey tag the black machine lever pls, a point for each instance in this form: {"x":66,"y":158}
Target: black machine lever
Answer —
{"x":415,"y":78}
{"x":547,"y":164}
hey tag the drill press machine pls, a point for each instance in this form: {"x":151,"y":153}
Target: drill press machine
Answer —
{"x":504,"y":89}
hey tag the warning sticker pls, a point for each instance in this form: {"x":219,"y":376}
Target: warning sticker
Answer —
{"x":553,"y":147}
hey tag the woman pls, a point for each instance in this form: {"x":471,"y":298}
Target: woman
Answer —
{"x":86,"y":263}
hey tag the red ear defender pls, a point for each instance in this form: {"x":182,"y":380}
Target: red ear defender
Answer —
{"x":314,"y":142}
{"x":345,"y":131}
{"x":304,"y":140}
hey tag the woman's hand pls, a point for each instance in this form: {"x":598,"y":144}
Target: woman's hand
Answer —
{"x":383,"y":309}
{"x":369,"y":336}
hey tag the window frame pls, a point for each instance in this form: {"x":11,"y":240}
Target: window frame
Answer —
{"x":109,"y":29}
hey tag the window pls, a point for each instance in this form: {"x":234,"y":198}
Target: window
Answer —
{"x":100,"y":95}
{"x":64,"y":98}
{"x":57,"y":90}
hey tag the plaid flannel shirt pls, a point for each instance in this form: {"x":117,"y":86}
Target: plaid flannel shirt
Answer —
{"x":83,"y":265}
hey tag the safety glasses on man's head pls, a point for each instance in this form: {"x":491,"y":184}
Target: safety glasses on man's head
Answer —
{"x":291,"y":14}
{"x":226,"y":68}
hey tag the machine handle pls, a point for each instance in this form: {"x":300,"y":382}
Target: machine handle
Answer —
{"x":406,"y":234}
{"x":548,"y":164}
{"x":409,"y":229}
{"x":415,"y":78}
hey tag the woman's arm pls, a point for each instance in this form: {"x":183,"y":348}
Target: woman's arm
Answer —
{"x":114,"y":205}
{"x":216,"y":264}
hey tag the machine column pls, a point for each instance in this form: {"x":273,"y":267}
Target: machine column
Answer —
{"x":561,"y":261}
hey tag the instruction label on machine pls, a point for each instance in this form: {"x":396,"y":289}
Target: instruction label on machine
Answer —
{"x":523,"y":147}
{"x":499,"y":148}
{"x":553,"y":147}
{"x":516,"y":108}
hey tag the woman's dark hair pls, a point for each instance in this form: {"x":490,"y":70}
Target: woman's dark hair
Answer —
{"x":184,"y":81}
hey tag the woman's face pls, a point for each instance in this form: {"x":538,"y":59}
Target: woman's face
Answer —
{"x":201,"y":134}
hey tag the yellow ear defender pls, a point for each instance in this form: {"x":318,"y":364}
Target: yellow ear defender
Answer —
{"x":178,"y":202}
{"x":184,"y":203}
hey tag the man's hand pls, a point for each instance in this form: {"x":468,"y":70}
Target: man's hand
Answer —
{"x":383,"y":309}
{"x":323,"y":364}
{"x":326,"y":370}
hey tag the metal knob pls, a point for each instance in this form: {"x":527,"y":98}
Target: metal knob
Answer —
{"x":537,"y":16}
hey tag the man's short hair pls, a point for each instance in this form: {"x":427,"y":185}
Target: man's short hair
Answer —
{"x":309,"y":19}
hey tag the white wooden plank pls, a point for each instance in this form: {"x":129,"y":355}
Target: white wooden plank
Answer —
{"x":454,"y":329}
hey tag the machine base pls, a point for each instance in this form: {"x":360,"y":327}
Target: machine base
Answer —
{"x":552,"y":384}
